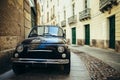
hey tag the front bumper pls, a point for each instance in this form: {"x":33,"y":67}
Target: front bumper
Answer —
{"x":39,"y":61}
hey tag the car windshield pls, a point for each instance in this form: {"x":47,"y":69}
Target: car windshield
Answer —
{"x":46,"y":31}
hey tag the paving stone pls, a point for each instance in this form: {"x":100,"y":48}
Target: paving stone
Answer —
{"x":98,"y":70}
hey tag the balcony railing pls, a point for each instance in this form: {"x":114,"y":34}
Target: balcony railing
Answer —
{"x":85,"y":14}
{"x":105,"y":5}
{"x":63,"y":23}
{"x":72,"y":19}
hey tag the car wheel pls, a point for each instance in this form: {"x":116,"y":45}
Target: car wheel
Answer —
{"x":18,"y":69}
{"x":67,"y":68}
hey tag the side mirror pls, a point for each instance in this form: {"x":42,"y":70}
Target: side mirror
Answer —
{"x":64,"y":35}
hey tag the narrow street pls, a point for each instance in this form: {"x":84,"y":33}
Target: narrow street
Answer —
{"x":82,"y":36}
{"x":78,"y":72}
{"x":86,"y":64}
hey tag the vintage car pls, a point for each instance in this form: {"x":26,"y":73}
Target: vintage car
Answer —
{"x":45,"y":45}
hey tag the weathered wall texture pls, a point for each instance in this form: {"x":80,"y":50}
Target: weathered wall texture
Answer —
{"x":14,"y":19}
{"x":11,"y":23}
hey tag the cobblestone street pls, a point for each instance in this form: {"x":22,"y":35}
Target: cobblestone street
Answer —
{"x":98,"y":70}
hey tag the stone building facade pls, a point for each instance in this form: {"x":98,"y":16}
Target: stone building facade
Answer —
{"x":15,"y":24}
{"x":88,"y":22}
{"x":11,"y":23}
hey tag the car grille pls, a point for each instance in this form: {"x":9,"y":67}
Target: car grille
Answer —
{"x":44,"y":52}
{"x":43,"y":55}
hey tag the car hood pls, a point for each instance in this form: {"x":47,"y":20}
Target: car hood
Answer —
{"x":46,"y":40}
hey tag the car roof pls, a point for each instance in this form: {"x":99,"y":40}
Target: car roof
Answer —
{"x":47,"y":25}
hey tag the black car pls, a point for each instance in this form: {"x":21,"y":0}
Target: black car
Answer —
{"x":45,"y":44}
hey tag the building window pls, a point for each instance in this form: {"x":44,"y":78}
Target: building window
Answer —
{"x":73,"y":8}
{"x":47,"y":4}
{"x":87,"y":4}
{"x":53,"y":11}
{"x":47,"y":16}
{"x":64,"y":14}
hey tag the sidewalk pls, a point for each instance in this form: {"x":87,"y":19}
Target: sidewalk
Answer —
{"x":110,"y":57}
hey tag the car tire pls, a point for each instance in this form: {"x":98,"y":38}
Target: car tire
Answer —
{"x":18,"y":69}
{"x":67,"y":68}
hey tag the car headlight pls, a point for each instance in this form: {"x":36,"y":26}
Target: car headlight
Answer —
{"x":61,"y":49}
{"x":16,"y":55}
{"x":20,"y":48}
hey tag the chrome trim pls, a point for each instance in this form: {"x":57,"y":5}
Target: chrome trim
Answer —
{"x":42,"y":61}
{"x":39,"y":50}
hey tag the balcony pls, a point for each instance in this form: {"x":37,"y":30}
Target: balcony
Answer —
{"x":63,"y":23}
{"x":72,"y":19}
{"x":106,"y":5}
{"x":85,"y":14}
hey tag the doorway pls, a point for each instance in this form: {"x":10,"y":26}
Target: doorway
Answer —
{"x":87,"y":34}
{"x":112,"y":32}
{"x":74,"y":35}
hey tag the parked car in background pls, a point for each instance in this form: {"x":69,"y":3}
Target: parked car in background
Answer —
{"x":45,"y":44}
